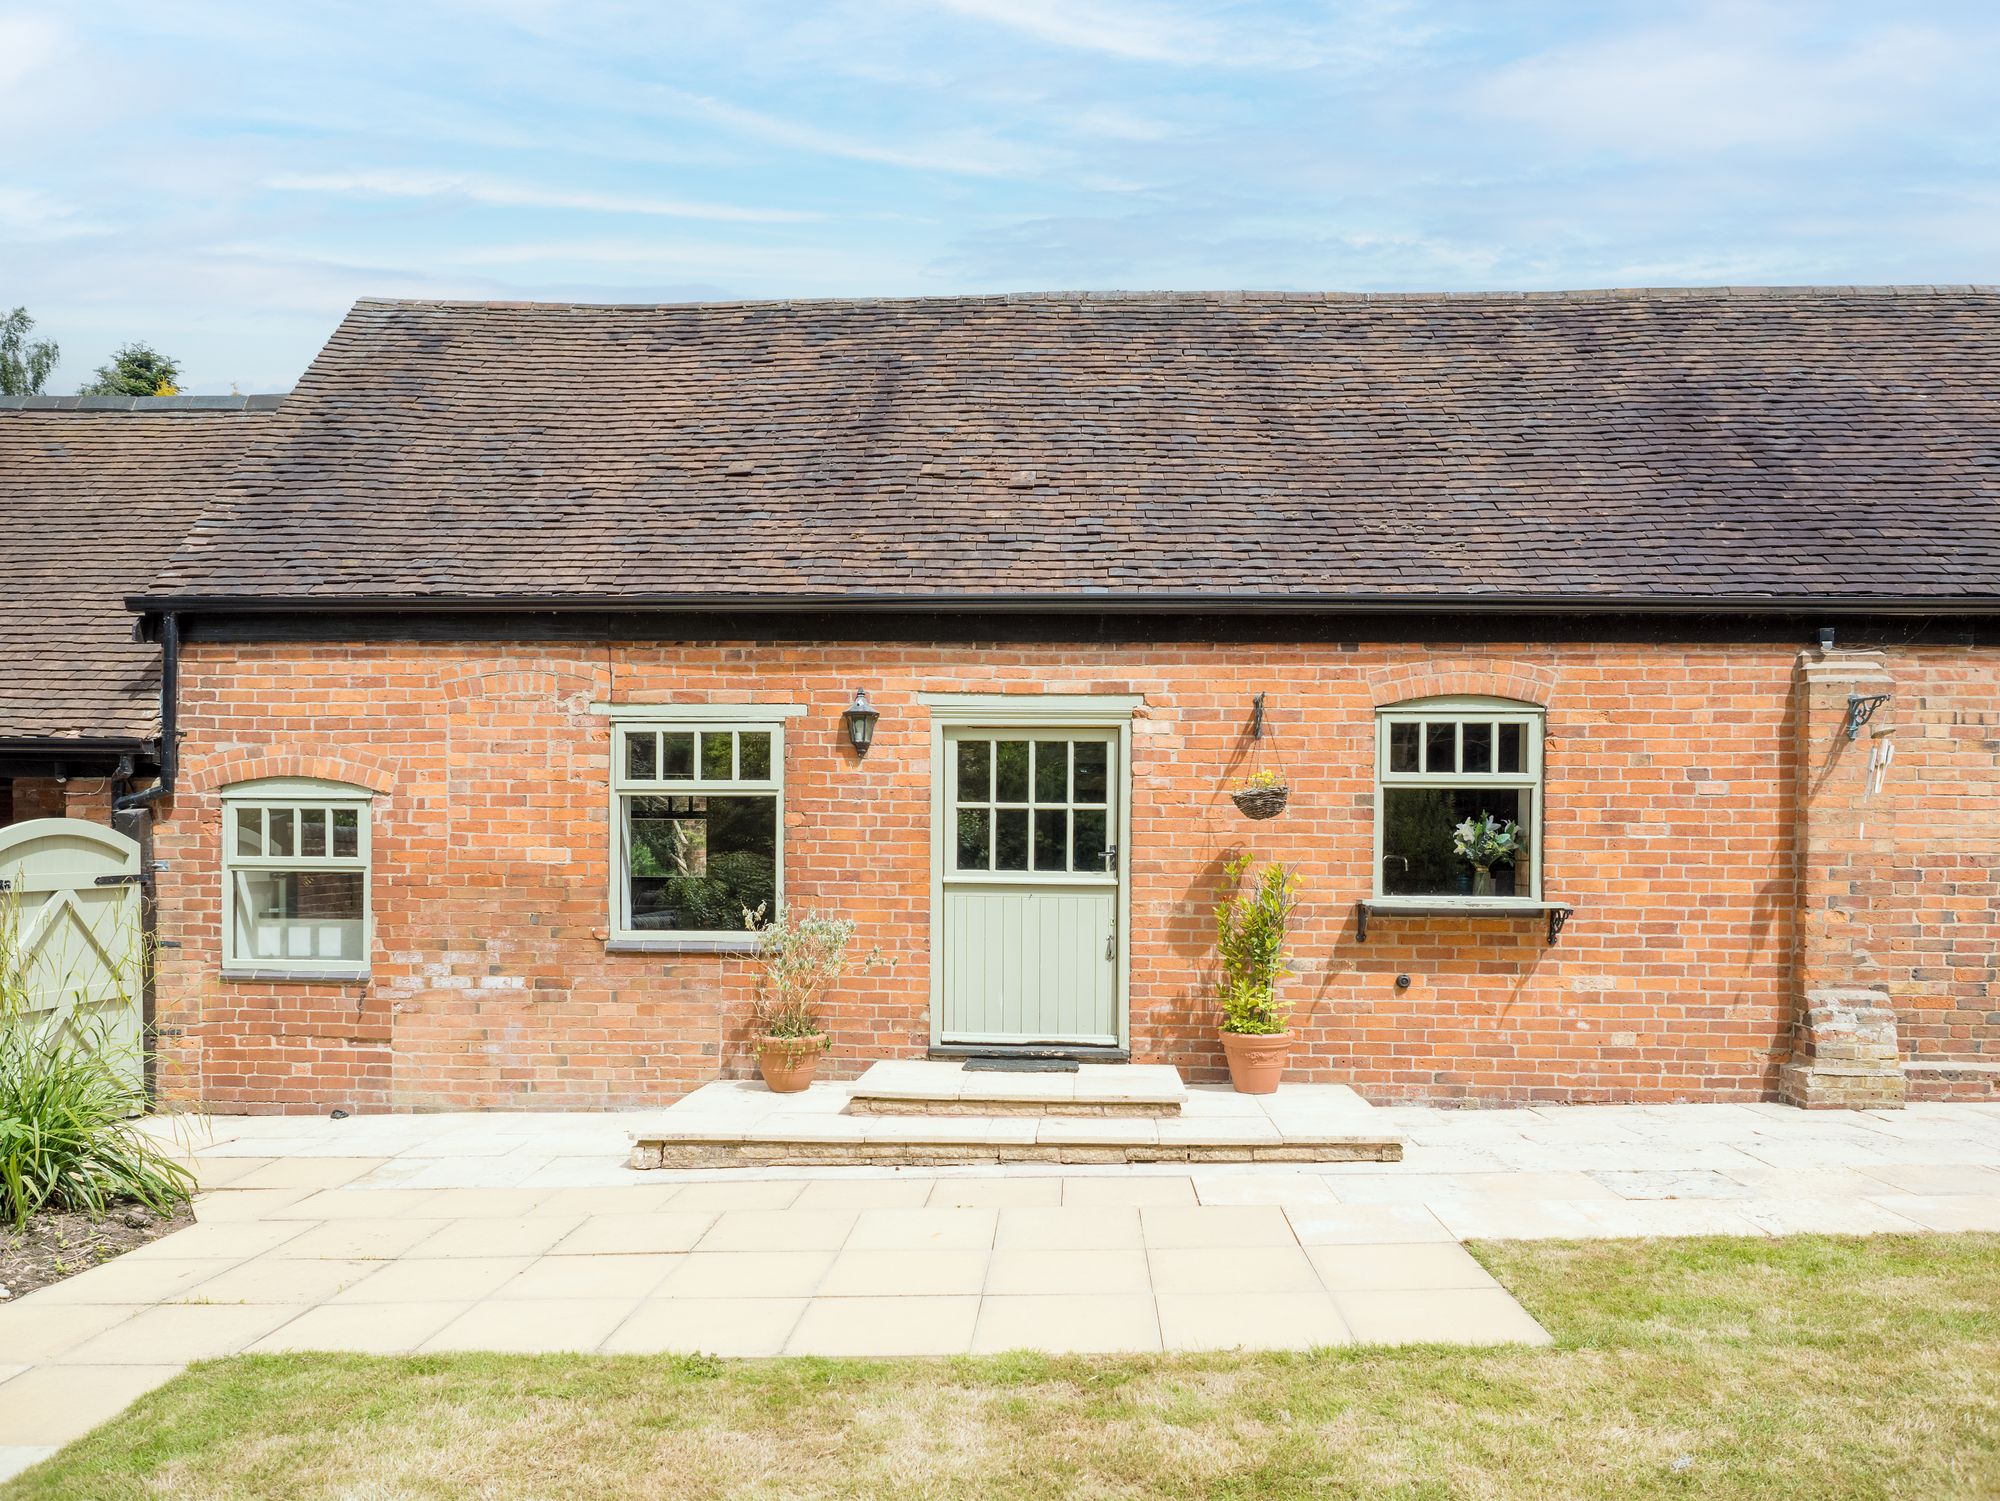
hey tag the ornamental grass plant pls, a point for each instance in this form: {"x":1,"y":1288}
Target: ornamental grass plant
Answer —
{"x":70,"y":1098}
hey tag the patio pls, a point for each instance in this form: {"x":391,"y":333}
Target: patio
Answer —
{"x":526,"y":1233}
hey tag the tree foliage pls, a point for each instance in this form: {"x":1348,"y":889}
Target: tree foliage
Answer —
{"x":136,"y":370}
{"x":24,"y":366}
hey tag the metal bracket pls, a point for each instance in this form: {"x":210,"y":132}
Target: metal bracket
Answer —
{"x":1557,"y":917}
{"x":1861,"y":709}
{"x":1360,"y":922}
{"x":1257,"y":717}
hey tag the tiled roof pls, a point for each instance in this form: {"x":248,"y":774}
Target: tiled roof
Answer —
{"x":95,"y":493}
{"x":1752,"y":445}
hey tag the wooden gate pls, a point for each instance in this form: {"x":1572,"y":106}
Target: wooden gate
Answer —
{"x":71,"y":917}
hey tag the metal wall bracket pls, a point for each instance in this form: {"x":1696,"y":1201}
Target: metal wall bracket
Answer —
{"x":1860,"y":709}
{"x":1257,"y":717}
{"x":1557,"y":917}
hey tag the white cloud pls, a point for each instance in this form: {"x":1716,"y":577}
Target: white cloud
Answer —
{"x":400,"y":183}
{"x":28,"y":45}
{"x":1152,"y":34}
{"x":28,"y":214}
{"x":1709,"y":87}
{"x":970,"y":153}
{"x":779,"y":269}
{"x":1349,"y":34}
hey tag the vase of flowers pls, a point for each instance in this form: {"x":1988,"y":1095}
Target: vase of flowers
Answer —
{"x":1250,"y":926}
{"x":1483,"y":843}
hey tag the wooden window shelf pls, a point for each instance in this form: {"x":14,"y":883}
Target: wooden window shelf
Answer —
{"x":1555,"y":913}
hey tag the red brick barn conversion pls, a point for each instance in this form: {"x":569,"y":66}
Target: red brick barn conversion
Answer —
{"x":518,"y":658}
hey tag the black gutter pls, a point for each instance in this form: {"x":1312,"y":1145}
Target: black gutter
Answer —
{"x":169,"y":756}
{"x":55,"y":745}
{"x":1075,"y":602}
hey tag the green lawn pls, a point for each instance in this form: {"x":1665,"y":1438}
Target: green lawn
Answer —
{"x":1793,"y":1369}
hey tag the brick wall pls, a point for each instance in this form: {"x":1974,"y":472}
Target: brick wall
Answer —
{"x":1669,"y":822}
{"x":1923,"y":909}
{"x":45,"y":797}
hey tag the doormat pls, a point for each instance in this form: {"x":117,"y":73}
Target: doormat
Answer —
{"x":1020,"y":1065}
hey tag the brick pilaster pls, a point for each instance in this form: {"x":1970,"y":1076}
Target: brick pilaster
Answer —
{"x":1844,"y":1052}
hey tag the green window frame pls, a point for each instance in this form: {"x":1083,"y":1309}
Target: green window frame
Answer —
{"x":677,"y":785}
{"x":1460,"y":748}
{"x":297,"y":867}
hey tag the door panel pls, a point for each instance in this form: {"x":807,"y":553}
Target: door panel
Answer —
{"x":71,"y":890}
{"x":1030,"y":949}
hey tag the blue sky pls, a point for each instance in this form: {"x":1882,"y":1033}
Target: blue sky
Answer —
{"x":223,"y":179}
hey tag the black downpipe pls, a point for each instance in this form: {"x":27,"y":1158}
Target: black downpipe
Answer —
{"x":170,"y":684}
{"x":137,"y":811}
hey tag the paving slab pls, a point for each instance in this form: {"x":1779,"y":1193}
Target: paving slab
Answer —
{"x":1172,"y":1227}
{"x":362,"y":1328}
{"x":1103,"y":1227}
{"x":747,"y":1274}
{"x":14,"y":1458}
{"x":988,"y":1193}
{"x":1424,"y":1265}
{"x":1128,"y":1190}
{"x":1366,"y":1224}
{"x":1012,"y":1273}
{"x":566,"y":1326}
{"x":1453,"y":1316}
{"x":1952,"y":1212}
{"x":52,"y":1404}
{"x":1104,"y":1323}
{"x":888,"y":1274}
{"x":748,"y":1327}
{"x":33,"y":1330}
{"x":635,"y":1234}
{"x":1250,"y":1321}
{"x":885,"y":1326}
{"x":1271,"y":1269}
{"x":631,"y":1276}
{"x":437,"y":1281}
{"x":924,"y":1229}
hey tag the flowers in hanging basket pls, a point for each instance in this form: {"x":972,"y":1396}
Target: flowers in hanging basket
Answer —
{"x":1262,"y":794}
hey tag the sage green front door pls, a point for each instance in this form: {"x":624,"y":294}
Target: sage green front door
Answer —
{"x":1029,"y":931}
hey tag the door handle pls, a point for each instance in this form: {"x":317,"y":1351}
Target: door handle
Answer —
{"x":1110,"y":858}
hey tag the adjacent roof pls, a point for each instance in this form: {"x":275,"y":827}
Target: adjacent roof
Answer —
{"x":95,"y":493}
{"x":1749,"y":446}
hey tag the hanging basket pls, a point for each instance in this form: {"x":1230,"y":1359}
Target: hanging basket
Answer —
{"x":1261,"y":802}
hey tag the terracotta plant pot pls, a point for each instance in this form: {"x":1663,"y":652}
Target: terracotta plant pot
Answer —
{"x":1257,"y":1063}
{"x":788,"y":1063}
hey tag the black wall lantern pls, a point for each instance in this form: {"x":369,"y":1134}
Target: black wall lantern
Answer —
{"x":860,"y":721}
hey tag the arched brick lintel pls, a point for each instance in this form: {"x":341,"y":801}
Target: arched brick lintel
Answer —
{"x":355,"y":767}
{"x":483,"y":680}
{"x":1526,"y":682}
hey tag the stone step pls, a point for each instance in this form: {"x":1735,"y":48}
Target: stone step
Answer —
{"x":739,"y":1123}
{"x":989,"y":1141}
{"x":938,"y":1087}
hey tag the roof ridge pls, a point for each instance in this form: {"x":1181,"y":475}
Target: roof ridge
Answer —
{"x":264,"y":403}
{"x":1001,"y":299}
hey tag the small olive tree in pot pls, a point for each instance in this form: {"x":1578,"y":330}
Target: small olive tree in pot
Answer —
{"x":800,"y":955}
{"x":1250,"y":925}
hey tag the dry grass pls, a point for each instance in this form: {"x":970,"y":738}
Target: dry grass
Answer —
{"x":1796,"y":1369}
